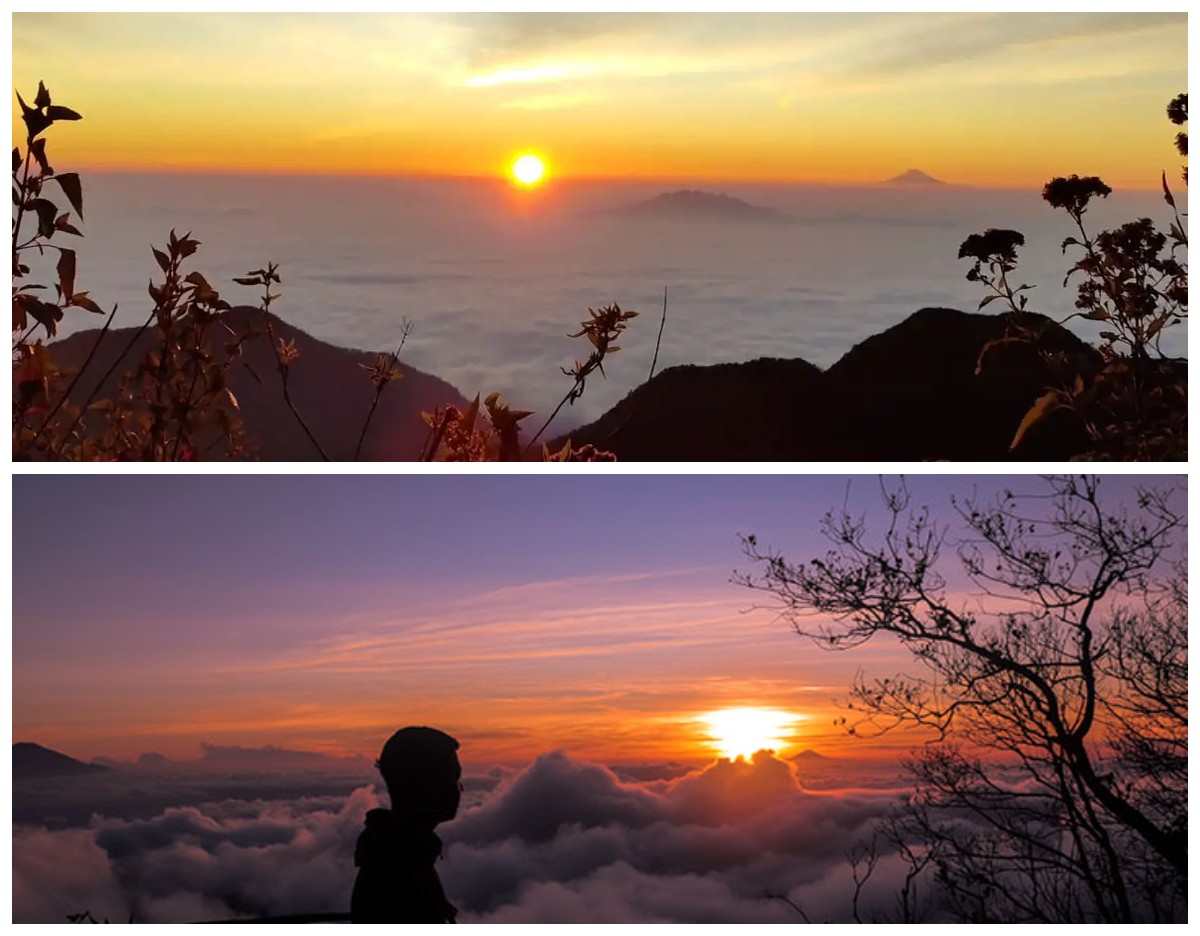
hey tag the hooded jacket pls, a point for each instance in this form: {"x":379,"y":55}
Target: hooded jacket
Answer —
{"x":397,"y":881}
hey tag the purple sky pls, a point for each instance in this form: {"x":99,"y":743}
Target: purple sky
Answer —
{"x":525,"y":613}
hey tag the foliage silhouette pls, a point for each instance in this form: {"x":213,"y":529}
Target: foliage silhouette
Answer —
{"x":1134,"y":283}
{"x":1054,"y":784}
{"x":175,"y":404}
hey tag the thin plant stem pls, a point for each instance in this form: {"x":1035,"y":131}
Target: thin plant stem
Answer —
{"x":108,"y":373}
{"x":662,"y":323}
{"x":395,"y":360}
{"x":74,"y":380}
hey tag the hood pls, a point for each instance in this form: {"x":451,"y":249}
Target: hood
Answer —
{"x":389,"y":840}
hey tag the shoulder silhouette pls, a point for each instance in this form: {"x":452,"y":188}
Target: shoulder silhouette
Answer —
{"x":397,"y":879}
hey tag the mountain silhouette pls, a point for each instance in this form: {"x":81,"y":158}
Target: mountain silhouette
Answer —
{"x":915,"y":178}
{"x":32,"y":761}
{"x":695,"y":204}
{"x":328,"y":384}
{"x":910,"y":393}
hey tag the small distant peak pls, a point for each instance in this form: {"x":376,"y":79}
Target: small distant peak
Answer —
{"x":914,"y":177}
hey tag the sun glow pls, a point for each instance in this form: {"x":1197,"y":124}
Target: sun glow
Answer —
{"x":528,"y":170}
{"x":741,"y":732}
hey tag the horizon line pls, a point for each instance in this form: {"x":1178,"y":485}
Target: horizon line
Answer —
{"x":774,"y":181}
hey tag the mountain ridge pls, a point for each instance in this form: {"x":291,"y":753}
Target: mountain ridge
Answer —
{"x":698,"y":204}
{"x":35,"y":761}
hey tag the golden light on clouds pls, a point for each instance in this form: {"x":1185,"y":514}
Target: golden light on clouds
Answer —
{"x":742,"y":732}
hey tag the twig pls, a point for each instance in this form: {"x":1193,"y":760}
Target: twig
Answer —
{"x":662,"y":323}
{"x":434,"y":438}
{"x":379,"y":388}
{"x":108,"y":373}
{"x":287,"y":397}
{"x":563,"y":402}
{"x":71,"y":386}
{"x":768,"y":895}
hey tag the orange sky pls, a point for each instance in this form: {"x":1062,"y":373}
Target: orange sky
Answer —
{"x":984,"y":99}
{"x":522,"y":613}
{"x":505,"y":610}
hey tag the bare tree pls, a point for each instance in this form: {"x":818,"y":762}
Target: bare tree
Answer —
{"x":1051,"y":682}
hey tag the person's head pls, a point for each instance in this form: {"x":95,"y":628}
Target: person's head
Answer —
{"x":420,"y":767}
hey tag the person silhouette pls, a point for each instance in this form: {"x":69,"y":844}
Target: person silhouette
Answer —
{"x":395,"y":854}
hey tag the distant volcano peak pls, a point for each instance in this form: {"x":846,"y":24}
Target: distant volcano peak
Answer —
{"x":913,"y":177}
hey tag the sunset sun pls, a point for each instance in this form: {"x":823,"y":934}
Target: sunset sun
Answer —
{"x":528,"y":170}
{"x":740,"y":732}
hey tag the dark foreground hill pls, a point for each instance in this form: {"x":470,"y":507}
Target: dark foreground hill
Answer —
{"x":327,"y":384}
{"x":909,"y":393}
{"x":32,"y":761}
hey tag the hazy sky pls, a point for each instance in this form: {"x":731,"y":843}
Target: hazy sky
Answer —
{"x":522,"y":613}
{"x":979,"y":98}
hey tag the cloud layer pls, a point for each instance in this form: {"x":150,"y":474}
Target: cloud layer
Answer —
{"x":563,"y":840}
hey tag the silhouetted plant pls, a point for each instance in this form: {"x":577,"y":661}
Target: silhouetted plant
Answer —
{"x":1052,"y":782}
{"x":384,"y":370}
{"x":1132,"y":281}
{"x":175,"y":403}
{"x":601,"y":330}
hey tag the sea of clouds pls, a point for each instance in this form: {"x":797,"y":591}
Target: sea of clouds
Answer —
{"x":560,"y":840}
{"x":495,"y":279}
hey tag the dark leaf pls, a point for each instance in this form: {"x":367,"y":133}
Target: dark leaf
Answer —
{"x":62,"y":113}
{"x":38,"y":149}
{"x":25,"y":108}
{"x":82,"y":300}
{"x":1170,"y":199}
{"x":16,"y":159}
{"x":73,"y":190}
{"x":43,"y":96}
{"x":47,"y":213}
{"x":62,"y":224}
{"x":164,"y":262}
{"x":35,"y":122}
{"x":197,"y":280}
{"x":246,"y":281}
{"x":47,"y":314}
{"x":66,"y":273}
{"x":986,"y":300}
{"x":1045,"y":405}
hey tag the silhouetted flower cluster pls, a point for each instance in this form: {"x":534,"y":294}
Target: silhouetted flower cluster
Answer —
{"x":1177,"y":114}
{"x":1074,"y":193}
{"x":1134,"y":282}
{"x":601,"y":330}
{"x":995,"y":246}
{"x":1127,"y":277}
